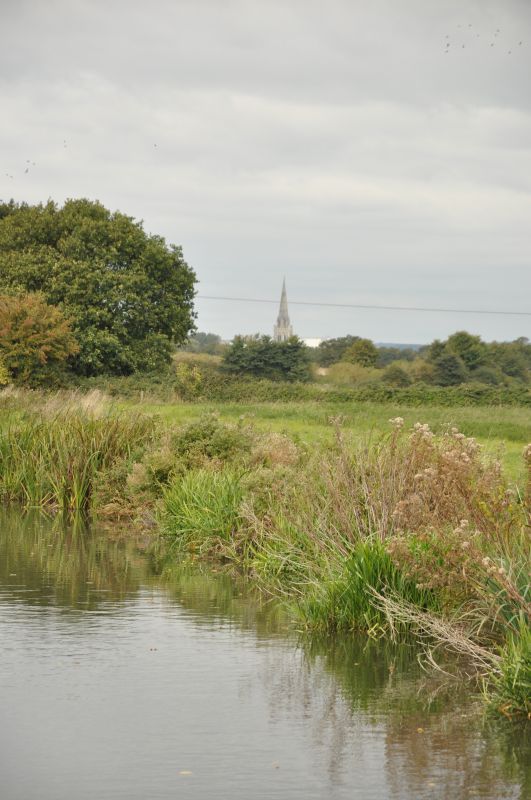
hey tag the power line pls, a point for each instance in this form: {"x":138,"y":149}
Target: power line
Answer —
{"x":361,"y":305}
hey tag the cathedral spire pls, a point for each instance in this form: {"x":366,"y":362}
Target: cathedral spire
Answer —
{"x":283,"y":329}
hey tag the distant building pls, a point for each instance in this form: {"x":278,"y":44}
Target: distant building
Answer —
{"x":312,"y":342}
{"x":283,"y":330}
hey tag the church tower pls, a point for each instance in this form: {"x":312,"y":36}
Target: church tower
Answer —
{"x":283,"y":330}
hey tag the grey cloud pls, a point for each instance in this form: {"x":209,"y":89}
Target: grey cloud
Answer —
{"x":335,"y":143}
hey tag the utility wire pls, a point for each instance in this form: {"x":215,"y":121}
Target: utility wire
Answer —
{"x":360,"y":305}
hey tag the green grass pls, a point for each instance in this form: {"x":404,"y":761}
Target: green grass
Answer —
{"x":347,"y":603}
{"x":201,"y":509}
{"x":512,"y":688}
{"x":503,"y":430}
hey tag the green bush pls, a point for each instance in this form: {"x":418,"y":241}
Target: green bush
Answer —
{"x":263,"y":357}
{"x":210,"y":439}
{"x":395,"y":375}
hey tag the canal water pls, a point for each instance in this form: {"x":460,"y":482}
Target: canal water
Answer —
{"x":118,"y":683}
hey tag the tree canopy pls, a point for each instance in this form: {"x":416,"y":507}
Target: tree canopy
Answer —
{"x":362,"y":351}
{"x":262,"y":357}
{"x":128,"y":294}
{"x":202,"y":342}
{"x":331,"y":351}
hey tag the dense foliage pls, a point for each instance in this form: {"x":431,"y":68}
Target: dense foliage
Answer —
{"x":464,"y":357}
{"x":461,"y":359}
{"x":362,"y":351}
{"x":330,"y":351}
{"x":128,"y":294}
{"x":262,"y":357}
{"x":202,"y":342}
{"x":35,"y":339}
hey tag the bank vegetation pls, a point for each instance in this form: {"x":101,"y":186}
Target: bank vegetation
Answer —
{"x":407,"y":531}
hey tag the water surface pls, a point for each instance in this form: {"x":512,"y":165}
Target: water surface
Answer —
{"x":116,"y":683}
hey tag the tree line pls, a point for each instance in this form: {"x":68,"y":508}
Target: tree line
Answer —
{"x":461,"y":358}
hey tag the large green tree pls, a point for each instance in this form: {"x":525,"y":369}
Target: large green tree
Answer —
{"x":470,"y":349}
{"x":262,"y":357}
{"x":128,"y":294}
{"x":362,"y":351}
{"x":330,"y":351}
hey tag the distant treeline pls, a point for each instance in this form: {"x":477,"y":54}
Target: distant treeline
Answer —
{"x":463,"y":358}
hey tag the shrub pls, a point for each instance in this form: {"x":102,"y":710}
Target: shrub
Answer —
{"x":351,"y":373}
{"x":489,"y":375}
{"x":209,"y":439}
{"x":395,"y":375}
{"x":449,"y":370}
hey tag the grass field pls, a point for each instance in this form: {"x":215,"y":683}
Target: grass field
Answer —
{"x":501,"y":430}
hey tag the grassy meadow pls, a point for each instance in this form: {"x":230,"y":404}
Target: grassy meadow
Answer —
{"x":502,"y":430}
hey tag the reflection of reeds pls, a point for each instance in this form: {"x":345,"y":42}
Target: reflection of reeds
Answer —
{"x":66,"y":564}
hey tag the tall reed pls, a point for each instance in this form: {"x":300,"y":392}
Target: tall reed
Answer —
{"x":57,"y":460}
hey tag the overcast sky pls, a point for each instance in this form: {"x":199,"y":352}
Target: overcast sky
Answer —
{"x":335,"y":143}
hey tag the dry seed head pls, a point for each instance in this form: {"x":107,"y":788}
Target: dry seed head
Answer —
{"x":397,"y":422}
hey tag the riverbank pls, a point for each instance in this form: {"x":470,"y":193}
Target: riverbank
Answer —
{"x":407,"y":530}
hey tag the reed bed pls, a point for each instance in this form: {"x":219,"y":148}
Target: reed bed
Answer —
{"x":58,"y":457}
